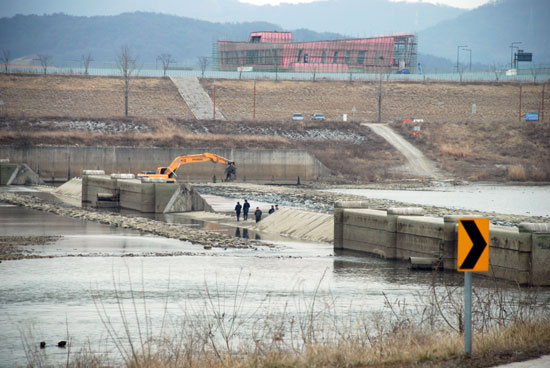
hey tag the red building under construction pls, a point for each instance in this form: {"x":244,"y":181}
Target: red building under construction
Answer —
{"x":275,"y":51}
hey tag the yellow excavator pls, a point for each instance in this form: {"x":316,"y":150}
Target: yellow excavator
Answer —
{"x":169,"y":173}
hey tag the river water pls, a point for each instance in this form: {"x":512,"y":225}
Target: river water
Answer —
{"x":48,"y":299}
{"x":95,"y":268}
{"x":505,"y":199}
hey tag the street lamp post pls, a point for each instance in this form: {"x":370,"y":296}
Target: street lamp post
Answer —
{"x":470,"y":51}
{"x":457,"y":56}
{"x":512,"y":47}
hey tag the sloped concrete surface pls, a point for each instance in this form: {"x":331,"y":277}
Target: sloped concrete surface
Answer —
{"x":299,"y":224}
{"x":542,"y":362}
{"x":196,"y":98}
{"x":19,"y":175}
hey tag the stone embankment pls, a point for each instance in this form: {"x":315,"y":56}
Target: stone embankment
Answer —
{"x":174,"y":231}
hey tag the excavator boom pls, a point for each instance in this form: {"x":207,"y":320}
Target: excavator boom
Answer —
{"x":169,"y":173}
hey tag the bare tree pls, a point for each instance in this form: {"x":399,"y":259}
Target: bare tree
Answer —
{"x":203,"y":63}
{"x":86,"y":60}
{"x":5,"y":59}
{"x":45,"y":61}
{"x":166,"y":60}
{"x":126,"y":62}
{"x":496,"y":71}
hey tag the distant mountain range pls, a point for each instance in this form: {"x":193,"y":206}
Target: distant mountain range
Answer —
{"x":490,"y":29}
{"x":487,"y":30}
{"x":358,"y":18}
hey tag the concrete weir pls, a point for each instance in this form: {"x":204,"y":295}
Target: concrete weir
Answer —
{"x":520,"y":254}
{"x":17,"y":174}
{"x":122,"y":191}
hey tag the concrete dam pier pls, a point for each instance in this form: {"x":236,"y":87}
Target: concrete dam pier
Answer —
{"x":520,"y":254}
{"x":122,"y":191}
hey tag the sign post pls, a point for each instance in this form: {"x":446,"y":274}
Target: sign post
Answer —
{"x":472,"y":256}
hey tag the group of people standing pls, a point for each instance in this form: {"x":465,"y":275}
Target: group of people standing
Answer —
{"x":245,"y":209}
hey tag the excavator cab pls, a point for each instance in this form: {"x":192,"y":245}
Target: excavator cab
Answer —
{"x":230,"y":172}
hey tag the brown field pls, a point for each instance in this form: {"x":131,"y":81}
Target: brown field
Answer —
{"x":492,"y":145}
{"x":431,"y":101}
{"x":80,"y":97}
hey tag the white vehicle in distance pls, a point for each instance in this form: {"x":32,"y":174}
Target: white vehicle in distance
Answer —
{"x":297,"y":117}
{"x":317,"y":116}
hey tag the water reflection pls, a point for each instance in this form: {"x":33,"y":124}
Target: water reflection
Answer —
{"x":245,"y":234}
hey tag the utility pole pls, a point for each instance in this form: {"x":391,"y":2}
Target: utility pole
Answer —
{"x":512,"y":47}
{"x":380,"y":99}
{"x":254,"y":113}
{"x":458,"y":56}
{"x":214,"y":111}
{"x":470,"y":51}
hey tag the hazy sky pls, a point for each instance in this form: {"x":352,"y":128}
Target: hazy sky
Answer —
{"x":465,"y":4}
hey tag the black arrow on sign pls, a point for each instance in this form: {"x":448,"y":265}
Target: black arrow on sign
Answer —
{"x":478,"y":247}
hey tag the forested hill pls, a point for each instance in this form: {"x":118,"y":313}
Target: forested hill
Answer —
{"x":490,"y":29}
{"x":65,"y":37}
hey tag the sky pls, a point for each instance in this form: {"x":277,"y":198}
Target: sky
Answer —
{"x":464,"y":4}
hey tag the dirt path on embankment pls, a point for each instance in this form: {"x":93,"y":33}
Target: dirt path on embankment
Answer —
{"x":418,"y":164}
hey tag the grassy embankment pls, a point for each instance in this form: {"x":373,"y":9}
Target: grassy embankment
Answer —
{"x":492,"y":145}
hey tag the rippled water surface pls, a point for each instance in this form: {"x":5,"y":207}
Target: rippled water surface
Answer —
{"x":50,"y":296}
{"x":51,"y":299}
{"x":516,"y":200}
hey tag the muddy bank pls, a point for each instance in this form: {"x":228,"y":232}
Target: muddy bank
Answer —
{"x":174,"y":231}
{"x":14,"y":247}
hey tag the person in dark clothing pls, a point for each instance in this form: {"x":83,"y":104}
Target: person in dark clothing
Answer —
{"x":238,"y":210}
{"x":271,"y":210}
{"x":258,"y":214}
{"x":276,"y":207}
{"x":246,"y":207}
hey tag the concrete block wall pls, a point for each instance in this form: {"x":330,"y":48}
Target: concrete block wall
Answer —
{"x":521,"y":255}
{"x":142,"y":197}
{"x":61,"y":163}
{"x":418,"y":237}
{"x":92,"y":185}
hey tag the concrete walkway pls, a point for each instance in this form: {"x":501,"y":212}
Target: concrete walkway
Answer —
{"x":418,"y":163}
{"x":542,"y":362}
{"x":197,"y":99}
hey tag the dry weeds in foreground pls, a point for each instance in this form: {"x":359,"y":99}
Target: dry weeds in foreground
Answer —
{"x":222,"y":332}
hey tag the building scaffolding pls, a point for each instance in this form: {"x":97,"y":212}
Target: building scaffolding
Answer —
{"x":275,"y":51}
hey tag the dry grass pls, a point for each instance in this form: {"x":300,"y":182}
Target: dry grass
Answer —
{"x":456,"y":150}
{"x":432,"y":101}
{"x":485,"y":150}
{"x":516,"y":173}
{"x":39,"y":96}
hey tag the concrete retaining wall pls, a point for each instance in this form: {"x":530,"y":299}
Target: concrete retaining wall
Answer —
{"x":64,"y":162}
{"x":519,"y":255}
